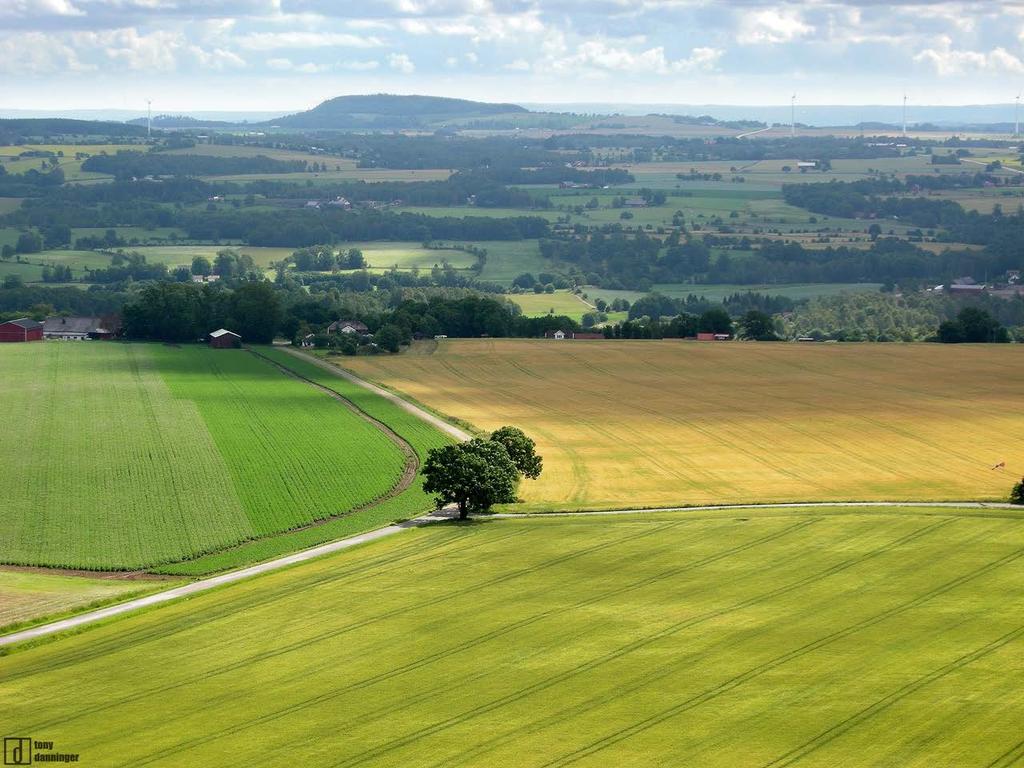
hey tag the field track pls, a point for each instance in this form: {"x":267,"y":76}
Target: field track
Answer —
{"x":412,"y":463}
{"x":810,"y":636}
{"x":428,"y":417}
{"x":204,"y":585}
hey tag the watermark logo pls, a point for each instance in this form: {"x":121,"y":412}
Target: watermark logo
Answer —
{"x":21,"y":750}
{"x":17,"y":750}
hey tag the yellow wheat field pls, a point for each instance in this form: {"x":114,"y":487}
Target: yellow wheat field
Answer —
{"x":653,"y":423}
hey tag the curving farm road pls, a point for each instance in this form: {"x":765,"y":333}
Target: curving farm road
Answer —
{"x":213,"y":582}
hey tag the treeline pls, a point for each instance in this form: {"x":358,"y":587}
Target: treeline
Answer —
{"x":32,"y":182}
{"x":303,"y":227}
{"x":41,"y":301}
{"x":15,"y":131}
{"x":181,"y":312}
{"x":615,"y":260}
{"x":126,"y":164}
{"x":874,"y":199}
{"x":151,"y":204}
{"x":657,"y":306}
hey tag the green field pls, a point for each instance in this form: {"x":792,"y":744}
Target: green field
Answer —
{"x":463,"y":211}
{"x":408,"y":504}
{"x":407,"y":256}
{"x":135,"y":455}
{"x":30,"y":273}
{"x":730,"y":638}
{"x":557,"y":303}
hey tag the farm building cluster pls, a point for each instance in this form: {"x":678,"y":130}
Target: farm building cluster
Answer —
{"x":59,"y":327}
{"x":74,"y":328}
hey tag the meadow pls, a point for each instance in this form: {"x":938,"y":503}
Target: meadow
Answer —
{"x":134,"y":455}
{"x":670,"y":422}
{"x":399,"y":255}
{"x":557,"y":303}
{"x":722,"y":638}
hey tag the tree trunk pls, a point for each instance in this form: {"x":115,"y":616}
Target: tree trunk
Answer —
{"x":463,"y":510}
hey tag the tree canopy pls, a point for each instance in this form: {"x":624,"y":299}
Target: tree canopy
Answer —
{"x":477,"y":474}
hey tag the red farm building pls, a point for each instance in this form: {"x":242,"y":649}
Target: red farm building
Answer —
{"x":22,"y":329}
{"x":224,"y":339}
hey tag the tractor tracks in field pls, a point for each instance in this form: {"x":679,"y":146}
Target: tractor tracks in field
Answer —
{"x":411,"y":459}
{"x":412,"y":466}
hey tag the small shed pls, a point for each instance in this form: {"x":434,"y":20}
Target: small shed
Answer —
{"x":554,"y":335}
{"x":22,"y":329}
{"x":222,"y":338}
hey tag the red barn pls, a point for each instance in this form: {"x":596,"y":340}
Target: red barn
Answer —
{"x":224,"y":339}
{"x":21,"y":330}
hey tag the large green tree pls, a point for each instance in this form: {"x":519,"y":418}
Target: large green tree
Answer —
{"x":474,"y":475}
{"x":757,"y":325}
{"x":521,"y":449}
{"x":256,"y":312}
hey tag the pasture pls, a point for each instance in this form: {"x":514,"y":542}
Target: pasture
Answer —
{"x":557,"y":303}
{"x":133,"y":455}
{"x":727,"y":638}
{"x":507,"y":259}
{"x":663,"y":423}
{"x":406,"y":256}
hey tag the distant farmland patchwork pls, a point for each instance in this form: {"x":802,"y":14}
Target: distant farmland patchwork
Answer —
{"x":732,"y":638}
{"x":134,"y":455}
{"x":669,"y":422}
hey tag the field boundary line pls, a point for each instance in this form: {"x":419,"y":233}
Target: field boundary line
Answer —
{"x":415,"y":410}
{"x":773,"y":505}
{"x":412,"y":460}
{"x":231,"y":577}
{"x":204,"y":585}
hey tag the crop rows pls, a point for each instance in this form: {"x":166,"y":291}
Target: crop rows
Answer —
{"x":134,"y":455}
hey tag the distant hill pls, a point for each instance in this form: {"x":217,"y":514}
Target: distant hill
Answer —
{"x":384,"y":110}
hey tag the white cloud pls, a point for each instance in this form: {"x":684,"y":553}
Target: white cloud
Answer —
{"x":33,"y":53}
{"x":479,"y":29}
{"x":772,"y":25}
{"x":359,"y":66}
{"x":33,"y":9}
{"x":400,"y":62}
{"x":472,"y":58}
{"x":945,"y":60}
{"x":155,"y":52}
{"x":269,"y":41}
{"x":598,"y":55}
{"x":519,"y":65}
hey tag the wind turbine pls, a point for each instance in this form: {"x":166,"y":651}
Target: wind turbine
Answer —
{"x":904,"y":115}
{"x":149,"y":118}
{"x":792,"y":117}
{"x":1016,"y":117}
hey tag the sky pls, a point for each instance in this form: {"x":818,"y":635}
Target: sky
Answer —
{"x":288,"y":55}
